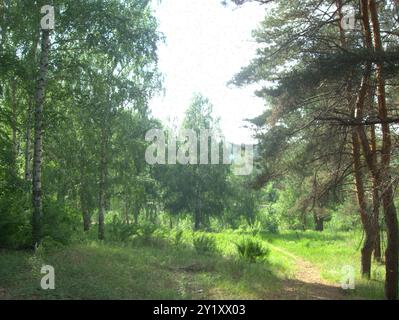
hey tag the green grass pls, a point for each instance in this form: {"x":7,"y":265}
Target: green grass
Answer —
{"x":162,"y":269}
{"x":330,"y":252}
{"x":96,"y":271}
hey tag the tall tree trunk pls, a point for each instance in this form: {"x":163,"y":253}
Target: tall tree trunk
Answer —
{"x":368,"y":219}
{"x":377,"y":247}
{"x":319,"y":222}
{"x":102,"y":192}
{"x":197,"y":219}
{"x":101,"y":217}
{"x":37,"y":155}
{"x":197,"y":214}
{"x":317,"y":216}
{"x":375,"y":219}
{"x":375,"y":196}
{"x":392,"y":250}
{"x":83,"y":193}
{"x":85,"y":211}
{"x":136,"y":211}
{"x":359,"y":138}
{"x":14,"y":125}
{"x":127,"y":206}
{"x":28,"y":142}
{"x":32,"y":57}
{"x":367,"y":249}
{"x":86,"y":220}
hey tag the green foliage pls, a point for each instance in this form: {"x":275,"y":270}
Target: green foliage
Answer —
{"x":178,"y":238}
{"x":197,"y":190}
{"x":146,"y":231}
{"x":118,"y":231}
{"x":243,"y":202}
{"x":345,"y":217}
{"x":60,"y":222}
{"x":252,"y":250}
{"x":15,"y":231}
{"x":269,"y":220}
{"x":49,"y":244}
{"x":103,"y":73}
{"x":204,"y":243}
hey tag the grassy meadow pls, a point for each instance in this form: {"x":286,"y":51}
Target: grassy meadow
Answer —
{"x":166,"y":265}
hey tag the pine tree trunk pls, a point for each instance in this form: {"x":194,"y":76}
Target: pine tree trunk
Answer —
{"x":392,"y":250}
{"x":375,"y":199}
{"x":368,"y":220}
{"x":367,"y":249}
{"x":37,"y":155}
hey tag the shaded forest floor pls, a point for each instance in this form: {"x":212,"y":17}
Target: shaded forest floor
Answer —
{"x":300,"y":266}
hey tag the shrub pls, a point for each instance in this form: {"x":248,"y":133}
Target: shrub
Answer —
{"x":49,"y":244}
{"x":251,"y":250}
{"x":146,"y":231}
{"x":60,"y":222}
{"x":204,"y":244}
{"x":178,"y":239}
{"x":15,"y":227}
{"x":270,"y":225}
{"x":120,"y":231}
{"x":254,"y":229}
{"x":269,"y":221}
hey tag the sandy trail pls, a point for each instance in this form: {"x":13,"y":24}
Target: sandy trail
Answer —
{"x":307,"y":283}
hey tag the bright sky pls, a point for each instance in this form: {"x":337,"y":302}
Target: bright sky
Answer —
{"x":206,"y":45}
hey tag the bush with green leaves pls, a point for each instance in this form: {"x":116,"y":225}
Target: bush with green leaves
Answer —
{"x":60,"y":222}
{"x":178,"y":238}
{"x":204,"y":244}
{"x":49,"y":244}
{"x":269,"y":221}
{"x":119,"y":231}
{"x":146,"y":231}
{"x":252,"y":250}
{"x":15,"y":226}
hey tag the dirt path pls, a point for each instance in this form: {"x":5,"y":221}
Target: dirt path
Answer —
{"x":308,"y":284}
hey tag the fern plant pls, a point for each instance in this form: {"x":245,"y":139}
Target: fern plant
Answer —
{"x":178,"y":239}
{"x":252,"y":250}
{"x":204,"y":244}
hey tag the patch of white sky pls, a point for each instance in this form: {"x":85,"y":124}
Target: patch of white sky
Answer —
{"x":206,"y":44}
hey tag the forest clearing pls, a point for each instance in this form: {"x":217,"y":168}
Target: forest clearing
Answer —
{"x":199,"y":150}
{"x":300,"y":265}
